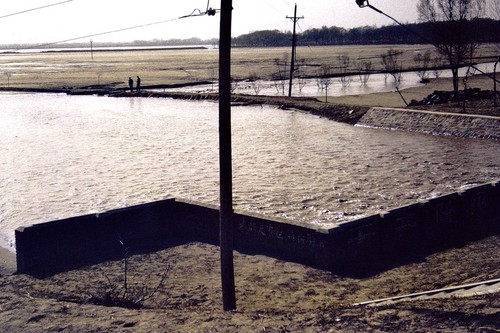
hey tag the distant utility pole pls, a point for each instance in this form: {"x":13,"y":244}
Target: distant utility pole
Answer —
{"x":91,"y":50}
{"x":295,"y":19}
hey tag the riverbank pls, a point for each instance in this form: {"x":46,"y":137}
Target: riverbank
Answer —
{"x":338,"y":112}
{"x":347,"y":109}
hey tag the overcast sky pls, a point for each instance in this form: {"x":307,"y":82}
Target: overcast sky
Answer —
{"x":78,"y":18}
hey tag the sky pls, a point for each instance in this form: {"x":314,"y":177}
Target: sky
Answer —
{"x":67,"y":20}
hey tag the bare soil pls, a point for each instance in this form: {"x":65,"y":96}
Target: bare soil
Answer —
{"x":272,"y":295}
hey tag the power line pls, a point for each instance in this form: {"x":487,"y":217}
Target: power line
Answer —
{"x":286,"y":3}
{"x":305,"y":40}
{"x":272,"y":7}
{"x":196,"y":12}
{"x":99,"y":34}
{"x":37,"y":8}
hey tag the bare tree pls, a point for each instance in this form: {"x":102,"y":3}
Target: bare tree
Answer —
{"x":495,"y":82}
{"x":422,"y":61}
{"x":124,"y":294}
{"x":255,"y":83}
{"x":8,"y":75}
{"x":437,"y":64}
{"x":324,"y":81}
{"x":494,"y":10}
{"x":234,"y":85}
{"x":214,"y":76}
{"x":344,"y":62}
{"x":364,"y":68}
{"x":386,"y":76}
{"x":280,"y":76}
{"x":300,"y":76}
{"x":393,"y":67}
{"x":451,"y":29}
{"x":470,"y":72}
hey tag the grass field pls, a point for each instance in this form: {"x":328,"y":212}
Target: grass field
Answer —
{"x":77,"y":69}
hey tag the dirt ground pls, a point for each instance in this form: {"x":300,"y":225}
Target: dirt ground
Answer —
{"x":393,"y":99}
{"x":272,"y":295}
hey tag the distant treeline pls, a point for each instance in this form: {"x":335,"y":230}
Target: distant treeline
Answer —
{"x":136,"y":43}
{"x":484,"y":31}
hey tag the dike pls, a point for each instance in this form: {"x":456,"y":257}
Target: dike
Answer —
{"x":431,"y":122}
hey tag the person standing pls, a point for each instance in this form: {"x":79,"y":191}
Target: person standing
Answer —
{"x":138,"y":84}
{"x":131,"y":84}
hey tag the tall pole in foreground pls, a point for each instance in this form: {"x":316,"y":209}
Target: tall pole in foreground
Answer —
{"x":225,"y":160}
{"x":295,"y":19}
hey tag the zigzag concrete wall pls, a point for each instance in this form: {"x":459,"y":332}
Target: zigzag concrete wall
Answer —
{"x":409,"y":231}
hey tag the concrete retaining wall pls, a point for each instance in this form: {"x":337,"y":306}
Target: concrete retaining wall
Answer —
{"x":437,"y":123}
{"x":83,"y":240}
{"x":408,"y":231}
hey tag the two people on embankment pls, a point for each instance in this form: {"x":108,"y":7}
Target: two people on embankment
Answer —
{"x":131,"y":84}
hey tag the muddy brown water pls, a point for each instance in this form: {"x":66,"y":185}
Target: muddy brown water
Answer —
{"x":71,"y":155}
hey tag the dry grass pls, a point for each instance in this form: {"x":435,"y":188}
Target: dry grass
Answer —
{"x":50,"y":70}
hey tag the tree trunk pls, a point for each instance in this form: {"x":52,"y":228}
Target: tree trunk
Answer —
{"x":495,"y":83}
{"x":454,"y":72}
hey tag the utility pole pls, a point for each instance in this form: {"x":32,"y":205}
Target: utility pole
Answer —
{"x":91,"y":50}
{"x":226,"y":220}
{"x":295,"y":19}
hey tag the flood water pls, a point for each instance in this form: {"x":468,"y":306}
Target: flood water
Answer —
{"x":70,"y":155}
{"x":376,"y":83}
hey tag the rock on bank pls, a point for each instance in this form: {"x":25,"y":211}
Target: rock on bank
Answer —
{"x":432,"y":122}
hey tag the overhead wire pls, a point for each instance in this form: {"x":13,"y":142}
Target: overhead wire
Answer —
{"x":98,"y":34}
{"x":36,"y":8}
{"x":305,"y":41}
{"x":286,"y":3}
{"x":196,"y":12}
{"x":361,"y":4}
{"x":272,"y":7}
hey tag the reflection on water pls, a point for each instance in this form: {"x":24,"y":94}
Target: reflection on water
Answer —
{"x":71,"y":155}
{"x":377,"y":83}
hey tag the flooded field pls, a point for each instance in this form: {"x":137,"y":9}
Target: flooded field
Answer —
{"x":48,"y":70}
{"x":71,"y":155}
{"x":350,"y":85}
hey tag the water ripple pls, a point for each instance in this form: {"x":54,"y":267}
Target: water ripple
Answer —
{"x":71,"y":155}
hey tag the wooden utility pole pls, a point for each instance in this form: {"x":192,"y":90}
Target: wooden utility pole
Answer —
{"x":295,"y":19}
{"x":91,"y":50}
{"x":226,"y":227}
